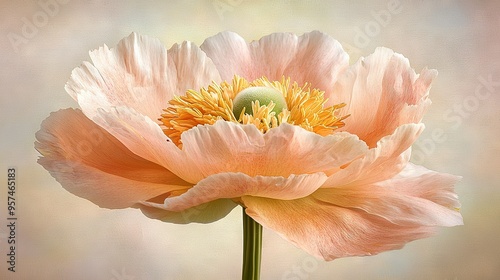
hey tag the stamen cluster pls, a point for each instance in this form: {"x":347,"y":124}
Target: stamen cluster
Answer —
{"x":305,"y":108}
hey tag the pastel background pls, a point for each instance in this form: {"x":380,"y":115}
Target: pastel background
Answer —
{"x":61,"y":236}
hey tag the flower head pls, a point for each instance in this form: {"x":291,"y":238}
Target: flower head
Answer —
{"x":313,"y":148}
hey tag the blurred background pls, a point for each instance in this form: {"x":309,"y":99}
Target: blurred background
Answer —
{"x":61,"y":236}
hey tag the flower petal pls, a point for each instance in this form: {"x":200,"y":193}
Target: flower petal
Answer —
{"x":282,"y":151}
{"x":234,"y":185}
{"x":431,"y":185}
{"x":314,"y":57}
{"x":145,"y":138}
{"x":416,"y":196}
{"x":141,"y":74}
{"x":328,"y":231}
{"x":381,"y":92}
{"x":230,"y":54}
{"x":384,"y":161}
{"x":92,"y":164}
{"x":203,"y":213}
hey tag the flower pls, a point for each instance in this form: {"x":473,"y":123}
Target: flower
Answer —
{"x":329,"y":171}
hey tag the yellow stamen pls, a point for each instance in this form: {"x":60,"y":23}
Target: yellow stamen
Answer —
{"x":304,"y":108}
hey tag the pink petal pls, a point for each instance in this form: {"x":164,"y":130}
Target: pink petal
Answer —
{"x":145,"y":138}
{"x":384,"y":161}
{"x":235,"y":185}
{"x":203,"y":213}
{"x":314,"y":57}
{"x":414,"y":197}
{"x":139,"y":73}
{"x":230,"y":54}
{"x":328,"y":231}
{"x":382,"y":92}
{"x":282,"y":151}
{"x":92,"y":164}
{"x":189,"y":68}
{"x":431,"y":185}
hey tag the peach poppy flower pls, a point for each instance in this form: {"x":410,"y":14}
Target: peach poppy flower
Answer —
{"x":330,"y":172}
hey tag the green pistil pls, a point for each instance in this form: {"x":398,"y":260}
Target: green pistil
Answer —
{"x":264,"y":95}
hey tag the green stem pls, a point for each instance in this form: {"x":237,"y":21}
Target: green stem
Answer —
{"x":252,"y":248}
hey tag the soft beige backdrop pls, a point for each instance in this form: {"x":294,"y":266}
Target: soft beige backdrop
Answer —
{"x":61,"y":236}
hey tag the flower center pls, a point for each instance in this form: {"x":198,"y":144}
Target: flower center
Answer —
{"x":262,"y":103}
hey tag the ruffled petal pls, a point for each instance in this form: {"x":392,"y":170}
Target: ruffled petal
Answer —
{"x":235,"y":185}
{"x":91,"y":163}
{"x":230,"y":54}
{"x":145,"y":138}
{"x":203,"y":213}
{"x":282,"y":151}
{"x":384,"y":161}
{"x":382,"y":92}
{"x":314,"y":57}
{"x":139,"y":73}
{"x":421,"y":182}
{"x":328,"y":231}
{"x":416,"y":196}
